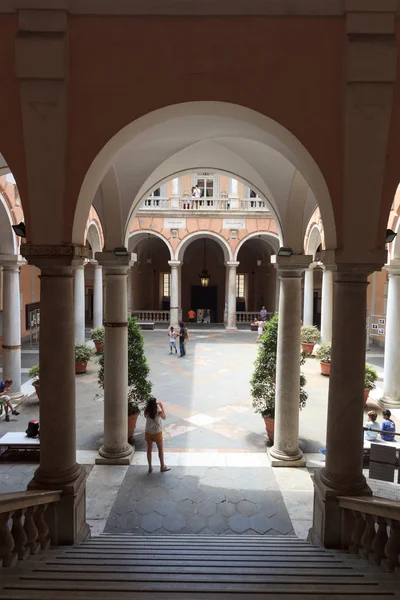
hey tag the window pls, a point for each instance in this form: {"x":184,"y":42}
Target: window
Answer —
{"x":166,"y":285}
{"x":156,"y":193}
{"x":240,"y":286}
{"x":253,"y":194}
{"x":206,"y":186}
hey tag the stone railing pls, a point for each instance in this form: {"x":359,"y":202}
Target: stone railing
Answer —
{"x":152,"y":316}
{"x":204,"y":204}
{"x":249,"y":317}
{"x":371,"y":528}
{"x":24,"y":529}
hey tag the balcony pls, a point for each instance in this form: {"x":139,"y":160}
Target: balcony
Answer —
{"x":209,"y":205}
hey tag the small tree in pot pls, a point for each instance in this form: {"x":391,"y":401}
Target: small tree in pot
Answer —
{"x":323,"y":354}
{"x":97,"y":335}
{"x":309,"y":336}
{"x":263,"y":381}
{"x":83,"y":352}
{"x":34,"y":374}
{"x":370,"y":377}
{"x":139,"y":385}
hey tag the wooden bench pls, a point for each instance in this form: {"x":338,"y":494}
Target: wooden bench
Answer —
{"x":146,"y":325}
{"x":395,"y":444}
{"x":18,"y":446}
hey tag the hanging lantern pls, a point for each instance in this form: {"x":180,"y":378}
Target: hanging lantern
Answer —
{"x":204,"y":275}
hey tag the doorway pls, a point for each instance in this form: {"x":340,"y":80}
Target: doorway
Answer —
{"x":205,"y":298}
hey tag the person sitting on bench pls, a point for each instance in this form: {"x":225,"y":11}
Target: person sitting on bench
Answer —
{"x":372,"y":427}
{"x":388,"y":427}
{"x":5,"y":400}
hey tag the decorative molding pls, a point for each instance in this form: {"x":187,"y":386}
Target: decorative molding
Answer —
{"x":5,"y":347}
{"x":123,"y":324}
{"x":30,"y":251}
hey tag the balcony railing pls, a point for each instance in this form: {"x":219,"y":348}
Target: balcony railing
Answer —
{"x":205,"y":204}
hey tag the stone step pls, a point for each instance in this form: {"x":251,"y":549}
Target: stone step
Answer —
{"x":198,"y":595}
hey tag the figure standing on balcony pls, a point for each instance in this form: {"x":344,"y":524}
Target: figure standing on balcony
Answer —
{"x":263,"y":314}
{"x":196,"y":194}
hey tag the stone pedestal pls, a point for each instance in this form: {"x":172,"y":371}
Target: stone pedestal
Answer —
{"x":79,"y":301}
{"x":115,"y":449}
{"x":174,"y":300}
{"x":391,"y":378}
{"x":231,"y":317}
{"x":58,"y":469}
{"x":327,"y":305}
{"x":11,"y":343}
{"x":308,"y":305}
{"x":342,"y":474}
{"x":97,"y":296}
{"x":286,"y":452}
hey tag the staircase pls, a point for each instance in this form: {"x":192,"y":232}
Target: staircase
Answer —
{"x":193,"y":567}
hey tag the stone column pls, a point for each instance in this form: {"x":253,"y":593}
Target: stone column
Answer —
{"x":327,"y":305}
{"x":11,"y":324}
{"x":58,"y":469}
{"x":129,"y":291}
{"x":115,"y":449}
{"x":286,"y":452}
{"x":308,"y":305}
{"x":343,"y":471}
{"x":180,"y":292}
{"x":391,"y":377}
{"x":231,"y":265}
{"x":226,"y":297}
{"x":174,"y":300}
{"x":97,"y":296}
{"x":79,"y":301}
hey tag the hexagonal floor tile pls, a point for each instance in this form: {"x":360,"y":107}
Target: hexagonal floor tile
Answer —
{"x":144,"y":506}
{"x":267,"y":508}
{"x":196,"y":523}
{"x":234,"y":496}
{"x":227,"y":509}
{"x":217,"y":523}
{"x":151,"y":522}
{"x":217,"y":497}
{"x":281,"y":523}
{"x":158,"y":493}
{"x":207,"y":508}
{"x":247,"y":508}
{"x":179,"y":493}
{"x":174,"y":522}
{"x":187,"y":507}
{"x":165,"y":507}
{"x":239,"y":523}
{"x":260,"y":523}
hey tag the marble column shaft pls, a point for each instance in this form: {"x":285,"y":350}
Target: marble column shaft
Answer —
{"x":12,"y":327}
{"x":97,"y":296}
{"x":391,"y":377}
{"x":232,"y":269}
{"x":79,"y":302}
{"x":308,"y":305}
{"x":327,"y":306}
{"x":174,"y":299}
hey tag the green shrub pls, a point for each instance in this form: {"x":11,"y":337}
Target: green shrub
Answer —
{"x":83,"y":352}
{"x":324,"y":353}
{"x":34,"y":372}
{"x":139,"y":385}
{"x":97,"y":334}
{"x":310,"y":335}
{"x":370,"y":377}
{"x":263,"y":380}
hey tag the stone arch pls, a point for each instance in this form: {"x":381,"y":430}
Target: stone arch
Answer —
{"x":137,"y":236}
{"x":93,"y":236}
{"x":232,"y":125}
{"x":8,"y":240}
{"x":226,"y":249}
{"x":271,"y":238}
{"x":314,"y":240}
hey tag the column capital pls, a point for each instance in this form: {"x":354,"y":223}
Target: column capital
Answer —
{"x":47,"y":256}
{"x":355,"y":272}
{"x":11,"y":261}
{"x":291,"y":266}
{"x":112,"y":262}
{"x":175,"y":263}
{"x":393,"y":268}
{"x":232,"y":264}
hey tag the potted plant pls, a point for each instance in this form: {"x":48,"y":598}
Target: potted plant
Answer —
{"x":83,"y":352}
{"x":34,"y":374}
{"x":97,"y":335}
{"x":370,"y":378}
{"x":263,"y":380}
{"x":309,"y":336}
{"x":323,"y":354}
{"x":139,"y":385}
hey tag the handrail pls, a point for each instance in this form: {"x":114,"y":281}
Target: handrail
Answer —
{"x":371,"y":505}
{"x":18,"y":500}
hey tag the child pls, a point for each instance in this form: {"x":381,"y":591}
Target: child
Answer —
{"x":5,"y":399}
{"x":388,"y":427}
{"x":373,"y":427}
{"x":172,"y":341}
{"x":154,"y":412}
{"x":260,"y":329}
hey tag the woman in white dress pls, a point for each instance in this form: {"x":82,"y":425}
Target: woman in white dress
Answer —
{"x":154,"y":413}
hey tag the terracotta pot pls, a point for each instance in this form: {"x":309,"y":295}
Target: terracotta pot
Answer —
{"x":366,"y":394}
{"x":36,"y":385}
{"x":81,"y":367}
{"x":270,"y":427}
{"x":132,"y":420}
{"x":307,"y":347}
{"x":325,"y":368}
{"x":99,"y":347}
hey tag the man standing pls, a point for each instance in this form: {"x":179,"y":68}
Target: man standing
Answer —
{"x":191,"y":315}
{"x":263,"y":314}
{"x":5,"y":400}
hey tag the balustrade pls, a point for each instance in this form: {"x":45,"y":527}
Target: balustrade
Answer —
{"x":375,"y":529}
{"x":23,"y":526}
{"x":204,"y":204}
{"x":250,"y":316}
{"x":152,"y":316}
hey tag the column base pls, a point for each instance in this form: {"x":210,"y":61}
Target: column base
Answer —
{"x":121,"y":458}
{"x":386,"y":402}
{"x":16,"y":396}
{"x":329,"y":520}
{"x":279,"y":459}
{"x":230,"y":328}
{"x":67,"y":518}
